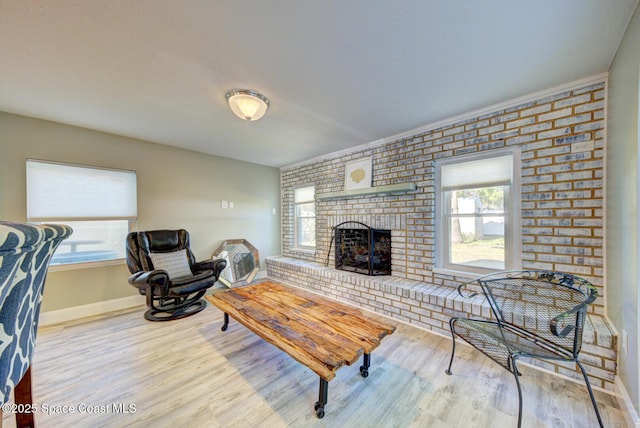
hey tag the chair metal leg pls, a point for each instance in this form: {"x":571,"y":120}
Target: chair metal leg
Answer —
{"x":593,"y":399}
{"x":516,"y":374}
{"x":453,"y":347}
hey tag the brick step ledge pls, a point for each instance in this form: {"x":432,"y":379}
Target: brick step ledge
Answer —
{"x":431,"y":306}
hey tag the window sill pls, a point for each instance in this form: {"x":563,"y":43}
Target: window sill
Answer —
{"x":460,"y":273}
{"x":85,"y":265}
{"x":472,"y":274}
{"x":304,"y":250}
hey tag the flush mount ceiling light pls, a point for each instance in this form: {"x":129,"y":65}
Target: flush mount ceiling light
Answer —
{"x":247,"y":104}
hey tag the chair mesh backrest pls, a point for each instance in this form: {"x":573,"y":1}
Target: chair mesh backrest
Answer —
{"x":534,"y":301}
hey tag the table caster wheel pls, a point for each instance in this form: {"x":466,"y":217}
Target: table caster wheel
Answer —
{"x":364,"y":372}
{"x":319,"y":410}
{"x":224,"y":327}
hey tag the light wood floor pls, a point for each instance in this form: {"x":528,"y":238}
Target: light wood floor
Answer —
{"x":189,"y":373}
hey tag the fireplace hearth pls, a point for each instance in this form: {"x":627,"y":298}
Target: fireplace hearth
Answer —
{"x":362,"y":249}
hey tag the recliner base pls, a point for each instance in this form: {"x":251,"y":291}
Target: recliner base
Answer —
{"x":174,"y":313}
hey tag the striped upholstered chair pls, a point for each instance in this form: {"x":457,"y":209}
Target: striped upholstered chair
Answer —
{"x":25,"y":252}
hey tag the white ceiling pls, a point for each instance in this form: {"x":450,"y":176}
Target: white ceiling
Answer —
{"x":338,"y":73}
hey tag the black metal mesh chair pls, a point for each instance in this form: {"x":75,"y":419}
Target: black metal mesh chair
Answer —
{"x":539,"y":314}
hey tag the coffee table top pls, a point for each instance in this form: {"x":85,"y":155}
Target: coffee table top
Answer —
{"x":321,"y":333}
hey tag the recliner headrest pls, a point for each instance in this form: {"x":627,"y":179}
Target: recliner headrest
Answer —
{"x":159,"y":241}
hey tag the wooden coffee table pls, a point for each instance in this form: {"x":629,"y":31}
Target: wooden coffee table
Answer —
{"x":318,"y":332}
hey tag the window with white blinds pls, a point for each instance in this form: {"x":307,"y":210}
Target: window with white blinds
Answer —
{"x":477,"y":173}
{"x":305,"y":217}
{"x":477,"y":215}
{"x":98,"y":203}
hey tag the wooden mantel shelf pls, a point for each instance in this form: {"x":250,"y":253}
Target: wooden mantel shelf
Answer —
{"x":392,"y":188}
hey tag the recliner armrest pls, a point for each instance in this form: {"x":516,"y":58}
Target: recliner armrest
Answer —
{"x":154,"y":278}
{"x":216,"y":265}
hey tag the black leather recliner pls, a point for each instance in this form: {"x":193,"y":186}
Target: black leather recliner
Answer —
{"x":165,"y":271}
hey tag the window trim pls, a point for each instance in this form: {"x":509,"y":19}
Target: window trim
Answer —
{"x":296,"y":245}
{"x":512,"y":215}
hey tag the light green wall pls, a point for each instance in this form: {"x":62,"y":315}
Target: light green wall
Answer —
{"x":622,"y":202}
{"x":176,"y":189}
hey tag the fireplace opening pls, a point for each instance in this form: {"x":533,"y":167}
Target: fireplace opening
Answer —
{"x":362,"y":249}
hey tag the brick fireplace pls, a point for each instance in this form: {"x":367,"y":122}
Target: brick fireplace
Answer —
{"x":362,"y":249}
{"x":561,"y":138}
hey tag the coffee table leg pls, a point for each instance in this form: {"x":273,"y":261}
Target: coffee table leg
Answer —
{"x":226,"y":322}
{"x":319,"y":406}
{"x":366,"y":363}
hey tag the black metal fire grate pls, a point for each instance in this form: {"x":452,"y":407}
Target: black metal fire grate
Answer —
{"x":362,"y":249}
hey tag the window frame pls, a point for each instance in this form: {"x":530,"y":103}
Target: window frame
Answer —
{"x":132,"y":225}
{"x":130,"y":217}
{"x":511,"y":213}
{"x":296,"y":232}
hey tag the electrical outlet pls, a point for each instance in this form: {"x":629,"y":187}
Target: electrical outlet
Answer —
{"x":231,"y":204}
{"x":273,"y":211}
{"x":224,"y":204}
{"x":625,"y":343}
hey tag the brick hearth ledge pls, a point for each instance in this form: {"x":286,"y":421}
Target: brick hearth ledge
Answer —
{"x":430,"y":307}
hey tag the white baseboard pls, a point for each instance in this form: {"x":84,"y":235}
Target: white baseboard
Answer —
{"x":77,"y":312}
{"x":630,"y":413}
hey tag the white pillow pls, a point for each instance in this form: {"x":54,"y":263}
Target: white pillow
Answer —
{"x":175,"y":263}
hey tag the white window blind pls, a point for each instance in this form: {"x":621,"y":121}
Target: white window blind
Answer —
{"x":304,"y":194}
{"x":478,"y":173}
{"x":58,"y":191}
